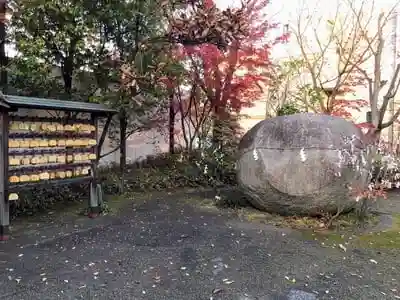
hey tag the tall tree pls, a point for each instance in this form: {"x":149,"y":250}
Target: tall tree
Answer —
{"x":129,"y":66}
{"x":286,"y":89}
{"x":382,"y":88}
{"x":231,"y":78}
{"x":195,"y":23}
{"x":30,"y":77}
{"x":330,"y":50}
{"x":3,"y":41}
{"x":201,"y":22}
{"x":59,"y":33}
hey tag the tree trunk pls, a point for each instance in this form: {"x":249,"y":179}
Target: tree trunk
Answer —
{"x":217,"y":130}
{"x":3,"y":55}
{"x":171,"y":125}
{"x":122,"y":158}
{"x":67,"y":71}
{"x":68,"y":84}
{"x":217,"y":138}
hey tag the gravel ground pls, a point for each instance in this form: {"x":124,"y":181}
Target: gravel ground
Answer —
{"x":164,"y":248}
{"x":390,"y":205}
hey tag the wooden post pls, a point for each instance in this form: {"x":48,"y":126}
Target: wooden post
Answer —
{"x":94,"y":205}
{"x":4,"y":205}
{"x":123,"y":125}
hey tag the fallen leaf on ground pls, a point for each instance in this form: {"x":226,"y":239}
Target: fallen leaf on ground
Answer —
{"x":373,"y":261}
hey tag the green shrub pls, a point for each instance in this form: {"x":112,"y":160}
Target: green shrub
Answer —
{"x":164,"y":172}
{"x":288,"y":109}
{"x":41,"y":198}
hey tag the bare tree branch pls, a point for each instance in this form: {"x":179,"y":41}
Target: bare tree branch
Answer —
{"x":358,"y":37}
{"x":375,"y":44}
{"x":333,"y":65}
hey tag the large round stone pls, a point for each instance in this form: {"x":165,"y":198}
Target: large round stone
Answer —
{"x":294,"y":164}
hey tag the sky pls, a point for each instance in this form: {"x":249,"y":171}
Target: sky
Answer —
{"x":284,"y":13}
{"x":279,"y":11}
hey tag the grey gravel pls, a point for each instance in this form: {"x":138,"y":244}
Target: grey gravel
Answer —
{"x":167,"y":249}
{"x":301,"y":295}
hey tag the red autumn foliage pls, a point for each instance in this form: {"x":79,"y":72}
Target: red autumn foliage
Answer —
{"x":233,"y":79}
{"x":337,"y":104}
{"x":342,"y":108}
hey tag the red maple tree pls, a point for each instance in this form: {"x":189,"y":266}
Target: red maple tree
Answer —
{"x":342,"y":107}
{"x":225,"y":81}
{"x":338,"y":103}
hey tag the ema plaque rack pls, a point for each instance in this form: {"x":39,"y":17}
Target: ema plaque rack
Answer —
{"x":49,"y":142}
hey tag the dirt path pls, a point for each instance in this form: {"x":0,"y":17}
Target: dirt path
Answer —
{"x":165,"y":248}
{"x":391,"y":205}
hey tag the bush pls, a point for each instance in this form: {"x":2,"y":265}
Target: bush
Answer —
{"x":165,"y":171}
{"x":288,"y":109}
{"x":218,"y":165}
{"x":39,"y":199}
{"x":386,"y":171}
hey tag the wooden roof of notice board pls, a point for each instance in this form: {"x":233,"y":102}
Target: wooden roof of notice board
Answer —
{"x":9,"y":101}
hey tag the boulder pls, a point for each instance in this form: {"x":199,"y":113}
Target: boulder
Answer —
{"x":292,"y":164}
